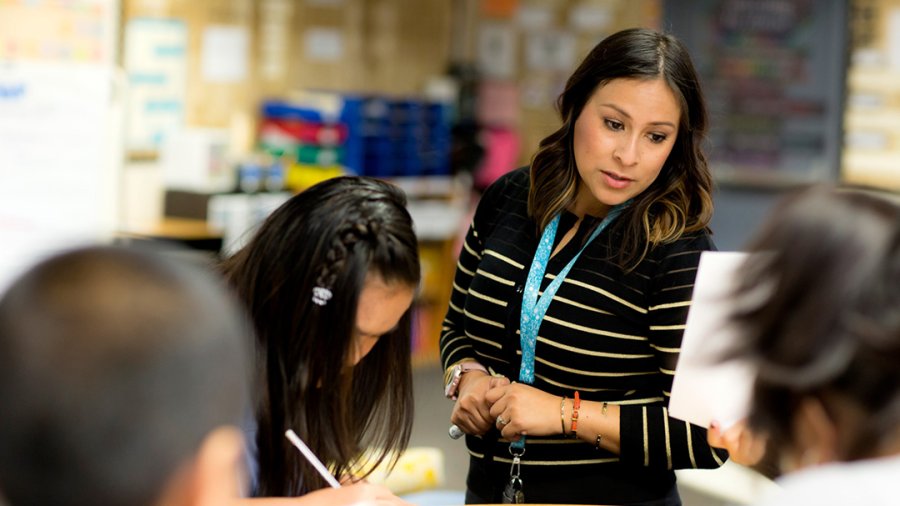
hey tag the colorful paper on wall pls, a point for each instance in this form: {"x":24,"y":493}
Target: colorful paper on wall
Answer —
{"x":74,"y":31}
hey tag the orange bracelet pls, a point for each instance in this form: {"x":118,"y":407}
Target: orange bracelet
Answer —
{"x":576,"y":403}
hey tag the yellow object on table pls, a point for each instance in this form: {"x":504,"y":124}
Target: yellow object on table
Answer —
{"x":419,"y":468}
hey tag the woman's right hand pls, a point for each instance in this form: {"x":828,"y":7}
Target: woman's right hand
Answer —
{"x":472,"y":413}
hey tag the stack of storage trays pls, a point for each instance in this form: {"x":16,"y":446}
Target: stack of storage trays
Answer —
{"x":405,"y":137}
{"x":315,"y":138}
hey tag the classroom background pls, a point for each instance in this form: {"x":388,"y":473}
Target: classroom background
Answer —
{"x":189,"y":121}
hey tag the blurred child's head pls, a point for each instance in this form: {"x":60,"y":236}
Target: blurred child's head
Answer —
{"x":122,"y":377}
{"x":826,"y":341}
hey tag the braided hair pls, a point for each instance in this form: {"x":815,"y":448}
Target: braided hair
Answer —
{"x":329,"y":237}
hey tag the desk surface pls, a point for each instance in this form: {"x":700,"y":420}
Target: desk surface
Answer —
{"x":175,"y":228}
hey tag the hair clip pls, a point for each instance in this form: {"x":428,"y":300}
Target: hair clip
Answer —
{"x":321,"y":295}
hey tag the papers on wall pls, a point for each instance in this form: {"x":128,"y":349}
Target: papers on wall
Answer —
{"x":52,"y":31}
{"x":551,"y":50}
{"x":704,"y":388}
{"x":323,"y":44}
{"x":588,"y":17}
{"x":55,"y":160}
{"x":225,"y":53}
{"x":274,"y":37}
{"x":497,"y":50}
{"x":59,"y":144}
{"x":893,"y":38}
{"x":535,"y":17}
{"x":156,"y":64}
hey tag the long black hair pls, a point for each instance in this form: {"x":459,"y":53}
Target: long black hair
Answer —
{"x":331,"y":236}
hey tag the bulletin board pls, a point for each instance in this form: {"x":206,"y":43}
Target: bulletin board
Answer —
{"x":774,"y":73}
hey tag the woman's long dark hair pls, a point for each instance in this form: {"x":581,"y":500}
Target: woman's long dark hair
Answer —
{"x":680,"y":199}
{"x":331,"y":235}
{"x":829,"y":328}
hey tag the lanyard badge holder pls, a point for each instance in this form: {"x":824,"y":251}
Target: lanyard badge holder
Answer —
{"x":514,"y":492}
{"x":533,"y":310}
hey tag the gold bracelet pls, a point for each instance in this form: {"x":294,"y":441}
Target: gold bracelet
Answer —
{"x":600,"y":436}
{"x":562,"y":415}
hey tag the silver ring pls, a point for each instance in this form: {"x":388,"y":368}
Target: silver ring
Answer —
{"x":501,"y":421}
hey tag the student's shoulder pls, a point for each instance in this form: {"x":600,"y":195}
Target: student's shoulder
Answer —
{"x":861,"y":482}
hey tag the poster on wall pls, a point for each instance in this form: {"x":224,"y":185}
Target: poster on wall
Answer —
{"x":75,"y":31}
{"x":497,"y":50}
{"x":155,"y":61}
{"x":58,"y":115}
{"x":773,"y":75}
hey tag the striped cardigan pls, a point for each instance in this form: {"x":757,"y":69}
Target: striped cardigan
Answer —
{"x":611,"y":335}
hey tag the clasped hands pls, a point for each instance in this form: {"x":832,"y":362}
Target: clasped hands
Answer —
{"x":516,"y":409}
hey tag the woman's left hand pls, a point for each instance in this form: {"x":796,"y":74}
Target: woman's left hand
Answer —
{"x":522,"y":410}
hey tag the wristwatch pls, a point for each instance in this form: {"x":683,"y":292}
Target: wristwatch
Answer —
{"x":456,"y":372}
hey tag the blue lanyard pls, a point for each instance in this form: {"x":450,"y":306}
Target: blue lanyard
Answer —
{"x":533,"y":307}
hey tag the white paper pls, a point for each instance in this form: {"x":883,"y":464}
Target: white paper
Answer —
{"x":324,"y":44}
{"x":534,"y":17}
{"x":704,"y":388}
{"x":587,"y":17}
{"x":893,"y":38}
{"x":225,"y":53}
{"x":554,"y":50}
{"x":497,"y":50}
{"x":58,"y":176}
{"x":60,"y":118}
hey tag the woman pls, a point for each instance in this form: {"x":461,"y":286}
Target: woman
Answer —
{"x":592,"y":384}
{"x":825,"y":344}
{"x":328,"y":281}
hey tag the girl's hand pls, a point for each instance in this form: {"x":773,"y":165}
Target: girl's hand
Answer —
{"x":744,"y":447}
{"x":472,"y":412}
{"x":358,"y":494}
{"x":520,"y":409}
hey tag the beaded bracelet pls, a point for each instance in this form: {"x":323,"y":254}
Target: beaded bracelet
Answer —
{"x":576,"y":403}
